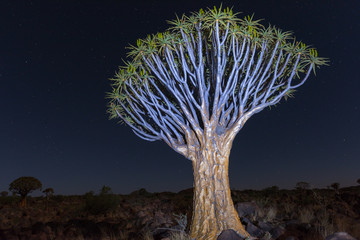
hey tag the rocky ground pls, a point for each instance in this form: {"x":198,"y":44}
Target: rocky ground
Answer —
{"x":275,"y":214}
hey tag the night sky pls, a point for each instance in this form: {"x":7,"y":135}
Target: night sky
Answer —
{"x":55,"y":61}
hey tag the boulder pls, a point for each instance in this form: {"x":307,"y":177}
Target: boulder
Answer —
{"x":160,"y":234}
{"x":277,"y":232}
{"x":265,"y":226}
{"x":229,"y":234}
{"x":246,"y":208}
{"x":340,"y":236}
{"x":291,"y":238}
{"x":254,"y":230}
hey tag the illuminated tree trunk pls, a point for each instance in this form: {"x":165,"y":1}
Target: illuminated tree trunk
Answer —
{"x":214,"y":210}
{"x":23,"y":202}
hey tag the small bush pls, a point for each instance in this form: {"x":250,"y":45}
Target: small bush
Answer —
{"x":59,"y":198}
{"x":101,"y":204}
{"x":4,"y":194}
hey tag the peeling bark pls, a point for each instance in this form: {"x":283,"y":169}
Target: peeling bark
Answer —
{"x":214,"y":210}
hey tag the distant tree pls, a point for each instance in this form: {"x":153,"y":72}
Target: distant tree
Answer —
{"x":48,"y":193}
{"x":4,"y":193}
{"x":302,"y":185}
{"x":105,"y":190}
{"x":335,"y":186}
{"x":358,"y":181}
{"x":274,"y":188}
{"x":90,"y":193}
{"x":194,"y":87}
{"x":23,"y":186}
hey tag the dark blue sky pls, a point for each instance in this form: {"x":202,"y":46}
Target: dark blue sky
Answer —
{"x":56,"y":57}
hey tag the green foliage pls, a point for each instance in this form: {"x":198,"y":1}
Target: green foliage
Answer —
{"x":105,"y":190}
{"x":24,"y":185}
{"x":204,"y":24}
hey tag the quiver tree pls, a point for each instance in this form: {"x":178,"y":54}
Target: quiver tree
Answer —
{"x":48,"y":193}
{"x":23,"y":186}
{"x":194,"y":87}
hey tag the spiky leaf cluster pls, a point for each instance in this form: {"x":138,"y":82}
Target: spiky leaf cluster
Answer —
{"x":209,"y":66}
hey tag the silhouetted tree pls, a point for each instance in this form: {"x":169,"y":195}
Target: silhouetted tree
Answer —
{"x":335,"y":186}
{"x":302,"y":186}
{"x":358,"y":181}
{"x":48,"y":193}
{"x":194,"y":87}
{"x":23,"y":186}
{"x":105,"y":190}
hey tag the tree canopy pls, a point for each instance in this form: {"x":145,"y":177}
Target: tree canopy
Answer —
{"x":25,"y":185}
{"x":209,"y":68}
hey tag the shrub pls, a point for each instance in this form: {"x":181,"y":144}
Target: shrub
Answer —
{"x":101,"y":204}
{"x":4,"y":193}
{"x":9,"y":200}
{"x":59,"y":198}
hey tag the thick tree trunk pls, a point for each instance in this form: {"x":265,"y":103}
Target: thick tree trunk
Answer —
{"x":23,"y":202}
{"x":213,"y":210}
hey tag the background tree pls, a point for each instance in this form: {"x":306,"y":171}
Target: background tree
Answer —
{"x":105,"y":190}
{"x":358,"y":181}
{"x":302,"y":186}
{"x":48,"y":193}
{"x":194,"y":87}
{"x":23,"y":186}
{"x":336,"y":187}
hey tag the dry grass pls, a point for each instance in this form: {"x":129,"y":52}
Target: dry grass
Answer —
{"x":306,"y":215}
{"x":270,"y":214}
{"x":179,"y":236}
{"x":147,"y":235}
